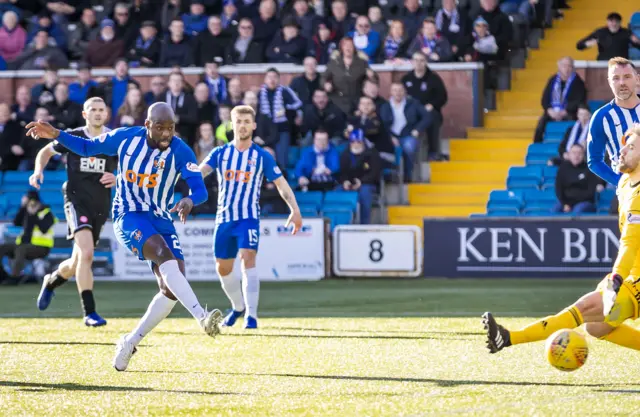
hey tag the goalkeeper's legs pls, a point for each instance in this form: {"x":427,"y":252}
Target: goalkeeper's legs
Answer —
{"x":586,"y":310}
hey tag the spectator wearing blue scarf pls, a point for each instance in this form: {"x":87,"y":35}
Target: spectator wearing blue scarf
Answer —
{"x":196,"y":21}
{"x":564,"y":93}
{"x":217,"y":83}
{"x":146,"y":52}
{"x":395,"y":44}
{"x":318,"y":164}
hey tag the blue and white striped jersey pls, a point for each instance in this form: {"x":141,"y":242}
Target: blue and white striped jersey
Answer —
{"x":608,"y":124}
{"x":146,"y":176}
{"x":240,"y":179}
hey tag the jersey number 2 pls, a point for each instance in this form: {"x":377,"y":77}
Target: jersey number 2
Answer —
{"x":176,"y":243}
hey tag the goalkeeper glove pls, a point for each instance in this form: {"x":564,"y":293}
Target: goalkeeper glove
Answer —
{"x":610,"y":293}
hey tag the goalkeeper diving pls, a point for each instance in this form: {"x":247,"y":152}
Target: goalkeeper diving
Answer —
{"x":617,"y":297}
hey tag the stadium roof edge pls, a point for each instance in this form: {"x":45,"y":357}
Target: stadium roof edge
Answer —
{"x":239,"y":69}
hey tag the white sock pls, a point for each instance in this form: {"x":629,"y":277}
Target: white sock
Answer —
{"x":179,"y":286}
{"x":158,"y":310}
{"x":251,"y":287}
{"x":233,"y":288}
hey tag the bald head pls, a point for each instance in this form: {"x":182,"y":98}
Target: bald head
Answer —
{"x":160,"y":125}
{"x":160,"y":113}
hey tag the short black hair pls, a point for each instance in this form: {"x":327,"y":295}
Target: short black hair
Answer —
{"x":273,"y":69}
{"x":614,"y":16}
{"x":320,"y":130}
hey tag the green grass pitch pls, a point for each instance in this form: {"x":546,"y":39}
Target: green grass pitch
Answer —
{"x":331,"y":348}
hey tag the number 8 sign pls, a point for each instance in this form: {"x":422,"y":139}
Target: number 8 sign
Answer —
{"x":381,"y":250}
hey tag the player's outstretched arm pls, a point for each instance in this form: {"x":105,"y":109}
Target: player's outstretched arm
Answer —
{"x":42,"y":159}
{"x":107,"y":143}
{"x":289,"y":197}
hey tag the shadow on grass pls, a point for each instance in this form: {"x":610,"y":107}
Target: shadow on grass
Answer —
{"x":27,"y":342}
{"x":439,"y":382}
{"x":311,"y":329}
{"x":69,"y":386}
{"x":620,"y":391}
{"x":326,"y":336}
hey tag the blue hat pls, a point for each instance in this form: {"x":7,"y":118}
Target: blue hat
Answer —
{"x":480,"y":21}
{"x":107,"y":22}
{"x":357,"y":135}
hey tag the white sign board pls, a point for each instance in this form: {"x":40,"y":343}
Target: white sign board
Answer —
{"x":377,"y":250}
{"x":281,"y":256}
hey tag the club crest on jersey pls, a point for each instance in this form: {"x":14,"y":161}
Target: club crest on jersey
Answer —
{"x":277,"y":170}
{"x":158,"y":164}
{"x":633,"y":218}
{"x":192,"y":167}
{"x":137,"y":235}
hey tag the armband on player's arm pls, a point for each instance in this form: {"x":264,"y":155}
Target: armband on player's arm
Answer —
{"x":199,"y":192}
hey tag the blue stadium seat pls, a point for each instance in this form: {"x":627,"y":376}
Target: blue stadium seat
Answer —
{"x":53,"y":180}
{"x":52,"y":198}
{"x":524,"y":177}
{"x":604,"y":198}
{"x":558,"y":127}
{"x":503,"y":199}
{"x":310,"y":198}
{"x":16,"y":181}
{"x":596,"y":104}
{"x":58,"y":211}
{"x":540,"y":153}
{"x":341,"y":198}
{"x":294,"y":156}
{"x":549,"y":174}
{"x":337,"y":218}
{"x":539,"y":200}
{"x":502,"y":213}
{"x":341,"y":147}
{"x":542,"y":213}
{"x":308,"y":211}
{"x":14,"y":198}
{"x":554,"y":132}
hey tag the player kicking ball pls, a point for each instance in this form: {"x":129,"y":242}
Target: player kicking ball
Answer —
{"x":617,"y":297}
{"x":150,"y":159}
{"x":87,"y":196}
{"x":240,"y":167}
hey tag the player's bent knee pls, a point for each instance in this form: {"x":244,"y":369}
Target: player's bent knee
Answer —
{"x":598,"y":330}
{"x":590,"y":307}
{"x":165,"y":291}
{"x":85,"y":255}
{"x":224,"y":267}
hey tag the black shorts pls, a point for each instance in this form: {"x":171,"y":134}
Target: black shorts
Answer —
{"x":81,"y":215}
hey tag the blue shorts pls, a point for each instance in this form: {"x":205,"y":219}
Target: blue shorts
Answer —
{"x":235,"y":235}
{"x":133,"y":229}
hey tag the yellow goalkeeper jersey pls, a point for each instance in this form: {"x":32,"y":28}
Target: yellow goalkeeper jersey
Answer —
{"x":628,"y":262}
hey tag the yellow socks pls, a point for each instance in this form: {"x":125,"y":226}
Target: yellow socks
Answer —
{"x":624,"y":335}
{"x":540,"y":330}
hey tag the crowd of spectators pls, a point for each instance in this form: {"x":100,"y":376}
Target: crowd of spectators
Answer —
{"x":343,"y":105}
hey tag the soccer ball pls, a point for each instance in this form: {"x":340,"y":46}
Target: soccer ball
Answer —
{"x":567,"y":350}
